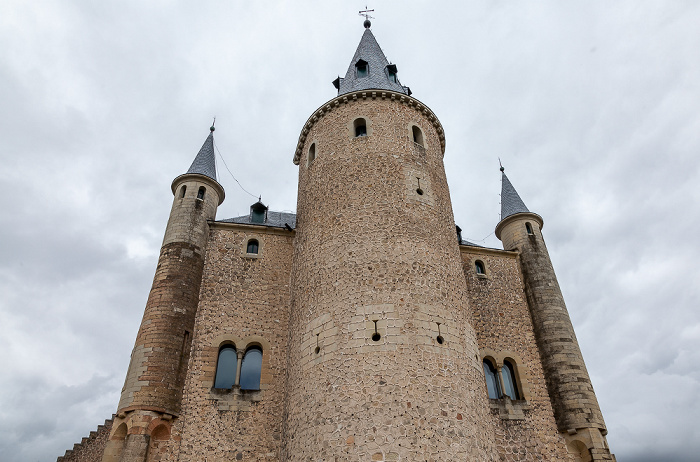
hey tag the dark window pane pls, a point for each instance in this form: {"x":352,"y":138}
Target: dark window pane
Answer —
{"x":511,"y":388}
{"x":258,"y":216}
{"x":226,"y":367}
{"x":200,"y":193}
{"x":252,"y":246}
{"x":479,"y":268}
{"x":361,"y":70}
{"x":361,"y":130}
{"x":250,"y":369}
{"x":491,"y":380}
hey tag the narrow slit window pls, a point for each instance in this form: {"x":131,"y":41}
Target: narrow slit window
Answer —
{"x":360,"y":126}
{"x":200,"y":193}
{"x":528,"y":227}
{"x":182,"y":191}
{"x":491,"y":375}
{"x":226,"y":367}
{"x":251,"y":368}
{"x":312,"y":153}
{"x":417,"y":135}
{"x":253,"y":246}
{"x":510,"y":386}
{"x":479,"y":265}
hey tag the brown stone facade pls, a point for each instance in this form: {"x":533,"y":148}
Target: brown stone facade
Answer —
{"x":525,"y":428}
{"x":377,"y":277}
{"x":372,"y":320}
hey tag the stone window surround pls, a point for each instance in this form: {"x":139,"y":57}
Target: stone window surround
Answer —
{"x":235,"y":398}
{"x":509,"y":409}
{"x":351,"y":127}
{"x":309,"y":160}
{"x":244,"y":249}
{"x":485,"y":274}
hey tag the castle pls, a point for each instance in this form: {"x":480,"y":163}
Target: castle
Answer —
{"x":361,"y":328}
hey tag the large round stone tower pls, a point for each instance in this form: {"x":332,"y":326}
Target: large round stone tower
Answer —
{"x":574,"y":402}
{"x":383,"y":361}
{"x":153,"y":387}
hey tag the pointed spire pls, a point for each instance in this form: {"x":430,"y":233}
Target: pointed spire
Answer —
{"x":205,"y":162}
{"x":369,"y":69}
{"x":511,"y":203}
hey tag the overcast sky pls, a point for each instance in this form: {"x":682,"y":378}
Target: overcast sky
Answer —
{"x":591,"y":105}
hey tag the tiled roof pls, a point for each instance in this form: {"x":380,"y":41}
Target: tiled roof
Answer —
{"x":205,"y":162}
{"x":274,"y":220}
{"x":378,"y":76}
{"x":511,"y":203}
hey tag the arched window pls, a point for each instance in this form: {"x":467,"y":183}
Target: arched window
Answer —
{"x":253,"y":246}
{"x":250,"y":369}
{"x":417,"y":135}
{"x":312,"y":153}
{"x":182,"y":191}
{"x":491,"y":380}
{"x":528,"y":227}
{"x":360,"y":126}
{"x":510,"y":387}
{"x":226,"y":367}
{"x":479,"y":265}
{"x":200,"y":193}
{"x":362,"y":68}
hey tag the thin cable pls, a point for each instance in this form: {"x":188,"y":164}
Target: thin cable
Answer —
{"x":229,"y":171}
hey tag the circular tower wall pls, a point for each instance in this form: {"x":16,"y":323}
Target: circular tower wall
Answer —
{"x":383,"y":359}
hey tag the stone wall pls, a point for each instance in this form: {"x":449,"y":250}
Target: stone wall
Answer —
{"x":525,"y":428}
{"x":244,"y":300}
{"x":376,"y":253}
{"x":90,"y":447}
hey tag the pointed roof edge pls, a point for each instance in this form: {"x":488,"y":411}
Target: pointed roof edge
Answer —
{"x":376,"y":76}
{"x":205,"y":161}
{"x":511,"y":203}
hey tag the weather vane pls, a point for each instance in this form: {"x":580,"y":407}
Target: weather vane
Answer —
{"x":366,"y":13}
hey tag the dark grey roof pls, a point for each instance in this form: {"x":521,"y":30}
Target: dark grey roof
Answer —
{"x":273,"y":220}
{"x":378,"y":75}
{"x":205,"y":162}
{"x":511,"y":203}
{"x":465,"y":242}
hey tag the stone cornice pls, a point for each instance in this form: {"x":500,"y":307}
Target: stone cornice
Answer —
{"x":364,"y":94}
{"x":251,"y":227}
{"x":517,"y":216}
{"x":487,"y":250}
{"x":199,"y":177}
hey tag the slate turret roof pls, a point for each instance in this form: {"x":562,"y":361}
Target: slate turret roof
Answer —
{"x":378,"y":69}
{"x":205,"y":162}
{"x":511,"y":203}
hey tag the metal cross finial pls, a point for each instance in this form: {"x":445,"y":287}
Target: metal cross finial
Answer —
{"x":499,"y":163}
{"x":366,"y":13}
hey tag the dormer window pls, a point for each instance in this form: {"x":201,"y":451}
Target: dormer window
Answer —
{"x":391,"y":70}
{"x":258,"y":213}
{"x":362,"y":68}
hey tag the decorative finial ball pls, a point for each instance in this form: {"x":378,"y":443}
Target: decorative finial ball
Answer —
{"x":368,"y":24}
{"x":503,"y":169}
{"x":211,"y":129}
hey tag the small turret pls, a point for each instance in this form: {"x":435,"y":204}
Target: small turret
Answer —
{"x":574,"y":403}
{"x":152,"y":391}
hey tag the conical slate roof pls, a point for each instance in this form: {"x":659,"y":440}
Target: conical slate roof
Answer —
{"x":377,"y":77}
{"x":204,"y":163}
{"x":511,"y":203}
